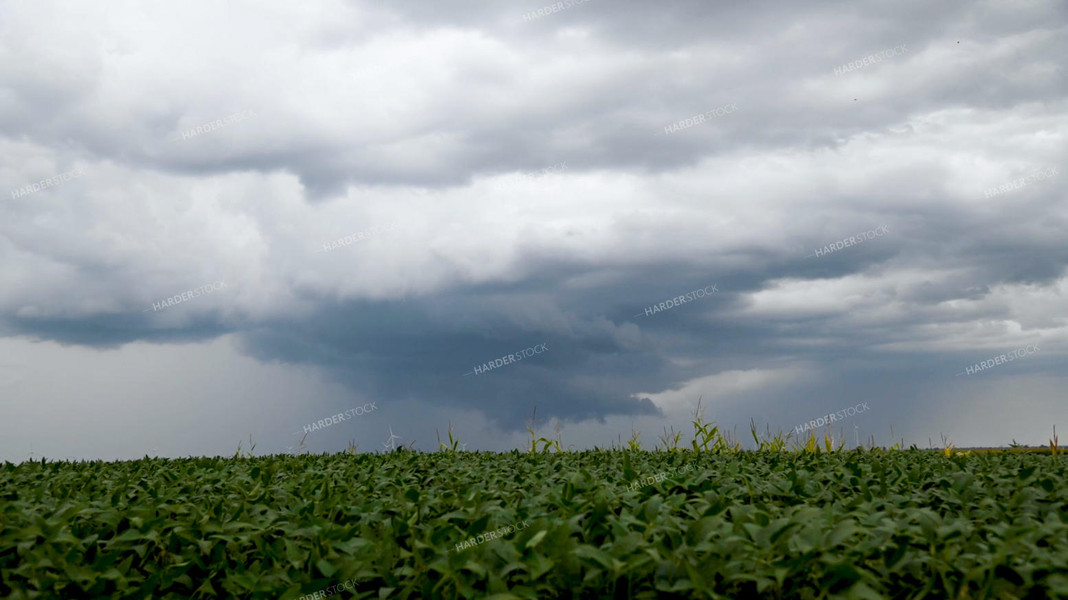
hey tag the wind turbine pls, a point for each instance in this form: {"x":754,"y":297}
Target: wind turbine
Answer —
{"x":391,"y":445}
{"x":856,"y":437}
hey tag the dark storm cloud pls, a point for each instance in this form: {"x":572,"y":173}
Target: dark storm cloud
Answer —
{"x":112,"y":331}
{"x":423,"y":349}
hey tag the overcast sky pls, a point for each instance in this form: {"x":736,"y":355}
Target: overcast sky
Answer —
{"x":510,"y":179}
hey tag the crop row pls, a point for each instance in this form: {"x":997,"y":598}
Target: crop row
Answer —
{"x":875,"y":524}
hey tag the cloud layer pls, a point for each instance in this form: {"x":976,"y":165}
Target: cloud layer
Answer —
{"x":506,"y":182}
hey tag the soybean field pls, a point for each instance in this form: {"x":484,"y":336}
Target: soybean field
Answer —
{"x":862,"y":524}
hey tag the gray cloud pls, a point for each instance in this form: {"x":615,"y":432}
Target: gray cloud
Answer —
{"x":424,"y":115}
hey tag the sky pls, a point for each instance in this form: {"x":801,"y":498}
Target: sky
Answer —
{"x":221,"y":224}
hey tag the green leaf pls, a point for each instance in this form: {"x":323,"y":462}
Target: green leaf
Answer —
{"x":538,"y":537}
{"x":326,"y":568}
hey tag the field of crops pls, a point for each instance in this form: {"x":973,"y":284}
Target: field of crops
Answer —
{"x":595,"y":524}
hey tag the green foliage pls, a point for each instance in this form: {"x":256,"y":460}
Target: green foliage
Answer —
{"x":773,"y":443}
{"x":546,"y":443}
{"x":707,"y":437}
{"x":808,"y":445}
{"x":530,"y":429}
{"x":251,"y":447}
{"x":634,"y":443}
{"x":453,"y":445}
{"x":671,"y":440}
{"x":874,"y":524}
